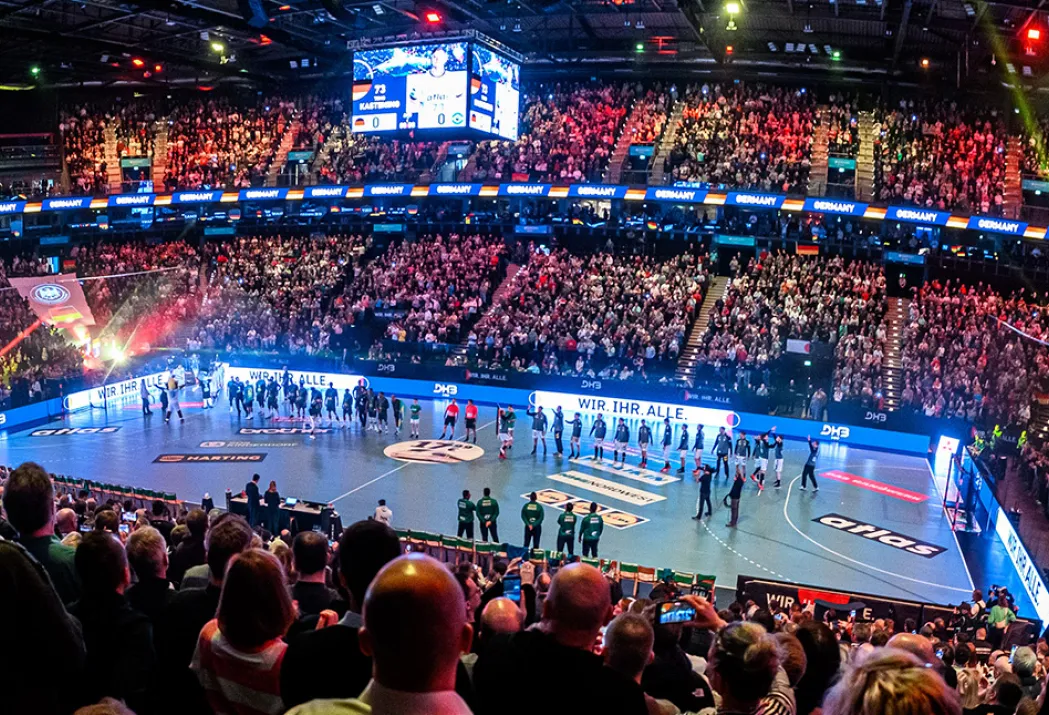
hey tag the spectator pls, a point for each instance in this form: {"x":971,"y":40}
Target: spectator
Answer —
{"x":670,"y":676}
{"x":192,"y":608}
{"x":29,"y":500}
{"x":822,"y":661}
{"x":103,"y":610}
{"x":273,"y":501}
{"x":414,"y":629}
{"x":743,"y":662}
{"x":500,"y":616}
{"x":781,"y":700}
{"x":190,"y":551}
{"x":1024,"y":664}
{"x":239,"y":653}
{"x":148,"y":558}
{"x":891,"y":680}
{"x":628,"y":650}
{"x":311,"y":592}
{"x":65,"y":522}
{"x":328,"y":663}
{"x":574,"y":612}
{"x":41,"y":635}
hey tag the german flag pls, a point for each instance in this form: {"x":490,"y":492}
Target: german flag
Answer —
{"x":651,"y":225}
{"x":808,"y":250}
{"x":361,"y":89}
{"x":358,"y":122}
{"x":65,"y":314}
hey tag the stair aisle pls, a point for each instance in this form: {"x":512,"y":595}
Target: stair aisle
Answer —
{"x":442,"y":155}
{"x":892,"y":369}
{"x":869,"y":131}
{"x":666,"y":143}
{"x":459,"y":351}
{"x":687,"y":361}
{"x":614,"y":172}
{"x":1013,"y":180}
{"x":160,"y":153}
{"x":818,"y":170}
{"x":281,"y":158}
{"x":112,"y":160}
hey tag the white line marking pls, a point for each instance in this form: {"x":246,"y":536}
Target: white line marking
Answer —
{"x":610,"y":489}
{"x":646,"y":476}
{"x":386,"y":474}
{"x":786,"y":502}
{"x":717,"y":538}
{"x":972,"y":584}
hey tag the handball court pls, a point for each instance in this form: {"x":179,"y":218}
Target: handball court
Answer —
{"x":875,"y":526}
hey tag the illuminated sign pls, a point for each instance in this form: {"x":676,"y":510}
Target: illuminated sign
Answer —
{"x":595,"y":191}
{"x":11,"y":207}
{"x":77,"y":202}
{"x":324,"y":192}
{"x":911,"y":214}
{"x":262,"y":194}
{"x":612,"y":407}
{"x":1025,"y":566}
{"x":196,"y":197}
{"x":132,"y":200}
{"x":524,"y":189}
{"x":835,"y":206}
{"x":763,"y":201}
{"x":454,"y":189}
{"x":388,"y":190}
{"x":997,"y":225}
{"x":676,"y":194}
{"x":319,"y":380}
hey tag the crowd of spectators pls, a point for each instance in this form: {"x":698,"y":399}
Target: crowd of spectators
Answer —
{"x":360,"y":158}
{"x":273,"y":292}
{"x":941,"y":155}
{"x":428,"y":289}
{"x":749,"y":136}
{"x":568,"y":132}
{"x":960,"y":362}
{"x":215,"y":615}
{"x":219,"y":143}
{"x":780,"y":296}
{"x":842,"y":118}
{"x":84,"y":146}
{"x":604,"y":314}
{"x":649,"y":114}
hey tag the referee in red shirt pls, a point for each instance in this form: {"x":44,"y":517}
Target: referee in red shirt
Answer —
{"x":471,"y":421}
{"x":451,"y":416}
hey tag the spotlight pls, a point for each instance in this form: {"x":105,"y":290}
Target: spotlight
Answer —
{"x":217,"y":46}
{"x":433,"y":17}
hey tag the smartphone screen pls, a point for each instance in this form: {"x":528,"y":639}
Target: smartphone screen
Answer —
{"x":1012,"y":653}
{"x":124,"y":528}
{"x":512,"y":588}
{"x":675,"y":612}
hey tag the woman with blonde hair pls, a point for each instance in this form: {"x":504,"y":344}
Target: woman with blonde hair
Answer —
{"x":742,"y":664}
{"x":239,"y":653}
{"x":891,"y":682}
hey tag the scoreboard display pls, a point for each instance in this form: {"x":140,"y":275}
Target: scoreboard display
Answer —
{"x":495,"y":93}
{"x":410,"y":87}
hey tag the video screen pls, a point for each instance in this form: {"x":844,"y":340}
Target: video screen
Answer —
{"x":495,"y":93}
{"x":420,"y":87}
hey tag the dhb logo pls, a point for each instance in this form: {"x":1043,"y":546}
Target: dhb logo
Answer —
{"x":835,"y":433}
{"x":445,"y":390}
{"x":386,"y":367}
{"x":49,"y":293}
{"x":875,"y":416}
{"x":3,"y":419}
{"x":591,"y":384}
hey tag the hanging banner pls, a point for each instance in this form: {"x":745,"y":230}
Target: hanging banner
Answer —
{"x":57,"y":300}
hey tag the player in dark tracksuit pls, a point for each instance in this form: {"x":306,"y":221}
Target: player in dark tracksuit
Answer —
{"x":778,"y":455}
{"x":761,"y":460}
{"x":347,"y":406}
{"x":539,"y":423}
{"x":598,"y":431}
{"x":331,"y":397}
{"x":236,"y":395}
{"x":302,"y":397}
{"x":722,"y":448}
{"x":682,"y":448}
{"x":577,"y":435}
{"x":272,"y":393}
{"x":559,"y":429}
{"x":622,"y":439}
{"x":668,"y":439}
{"x":697,"y":450}
{"x":260,"y":393}
{"x":644,"y":438}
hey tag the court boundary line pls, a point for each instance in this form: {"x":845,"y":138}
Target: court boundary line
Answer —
{"x":786,"y":503}
{"x":943,"y":511}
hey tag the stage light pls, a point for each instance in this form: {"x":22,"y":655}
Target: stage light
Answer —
{"x":284,"y":8}
{"x":836,"y":55}
{"x":640,"y":47}
{"x":729,"y":49}
{"x":138,"y":62}
{"x":34,"y":71}
{"x":1034,"y":34}
{"x":217,"y":46}
{"x":925,"y":63}
{"x":433,"y":17}
{"x":157,"y":68}
{"x":732,"y":8}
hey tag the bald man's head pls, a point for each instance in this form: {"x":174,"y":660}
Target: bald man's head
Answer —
{"x":628,"y":644}
{"x":500,"y":616}
{"x":578,"y":606}
{"x":65,"y":521}
{"x":914,"y":644}
{"x":415,"y":625}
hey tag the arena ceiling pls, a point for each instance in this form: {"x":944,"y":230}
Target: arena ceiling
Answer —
{"x":194,"y":42}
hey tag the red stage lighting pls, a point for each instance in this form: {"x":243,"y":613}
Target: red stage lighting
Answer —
{"x":1034,"y":34}
{"x":433,"y":17}
{"x":138,"y":62}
